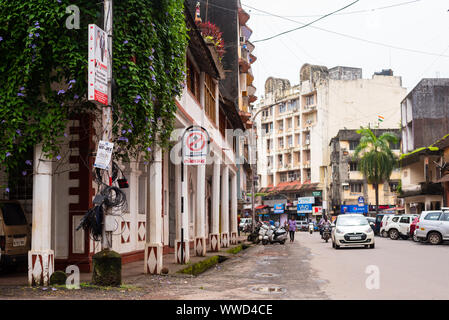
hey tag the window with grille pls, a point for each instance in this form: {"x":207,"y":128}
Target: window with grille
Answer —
{"x":356,"y":187}
{"x":353,"y":145}
{"x":209,"y":107}
{"x":353,"y":166}
{"x":310,"y":100}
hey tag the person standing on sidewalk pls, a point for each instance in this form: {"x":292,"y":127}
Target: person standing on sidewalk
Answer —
{"x":292,"y":228}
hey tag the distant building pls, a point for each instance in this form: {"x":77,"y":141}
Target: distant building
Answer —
{"x":298,"y":123}
{"x":425,"y":120}
{"x":348,"y":184}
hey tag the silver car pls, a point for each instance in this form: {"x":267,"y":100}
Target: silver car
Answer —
{"x":433,"y":226}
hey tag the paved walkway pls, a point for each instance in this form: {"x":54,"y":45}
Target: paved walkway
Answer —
{"x":129,"y":270}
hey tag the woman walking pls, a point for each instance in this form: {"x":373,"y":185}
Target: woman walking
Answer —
{"x":292,"y":228}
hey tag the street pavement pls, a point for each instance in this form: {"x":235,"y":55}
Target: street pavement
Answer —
{"x":309,"y":268}
{"x":405,"y":269}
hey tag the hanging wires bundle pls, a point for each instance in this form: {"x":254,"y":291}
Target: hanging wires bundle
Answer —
{"x":109,"y":197}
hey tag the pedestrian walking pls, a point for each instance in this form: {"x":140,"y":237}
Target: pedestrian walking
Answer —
{"x":238,"y":225}
{"x":292,"y":228}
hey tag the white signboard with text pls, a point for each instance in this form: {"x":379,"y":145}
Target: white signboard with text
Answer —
{"x":104,"y":154}
{"x":98,"y":65}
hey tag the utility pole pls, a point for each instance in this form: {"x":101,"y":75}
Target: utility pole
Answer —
{"x":107,"y":112}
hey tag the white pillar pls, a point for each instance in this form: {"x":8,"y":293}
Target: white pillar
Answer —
{"x":214,"y":236}
{"x":225,"y":207}
{"x":41,"y":257}
{"x":182,"y":248}
{"x":234,"y":226}
{"x":200,"y":220}
{"x":153,"y":246}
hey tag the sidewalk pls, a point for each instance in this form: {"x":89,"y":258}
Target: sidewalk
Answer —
{"x":130,"y":270}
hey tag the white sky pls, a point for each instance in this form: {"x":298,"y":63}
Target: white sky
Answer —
{"x":422,"y":25}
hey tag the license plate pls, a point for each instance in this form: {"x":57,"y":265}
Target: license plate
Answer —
{"x":355,"y":238}
{"x":19,"y":242}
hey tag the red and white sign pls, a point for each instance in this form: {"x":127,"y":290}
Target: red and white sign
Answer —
{"x":317,"y":211}
{"x":98,"y":65}
{"x":195,"y":146}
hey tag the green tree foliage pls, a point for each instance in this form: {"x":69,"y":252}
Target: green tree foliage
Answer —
{"x":375,"y":158}
{"x":43,"y":72}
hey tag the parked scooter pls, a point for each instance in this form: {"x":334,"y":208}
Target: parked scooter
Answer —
{"x":264,"y":228}
{"x":311,"y":227}
{"x":326,"y":233}
{"x":275,"y":235}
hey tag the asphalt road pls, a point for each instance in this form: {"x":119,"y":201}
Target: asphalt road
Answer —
{"x":309,"y":268}
{"x":404,"y":269}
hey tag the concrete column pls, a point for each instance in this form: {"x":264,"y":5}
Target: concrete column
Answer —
{"x":182,"y":200}
{"x":200,"y":220}
{"x":214,"y":236}
{"x":41,"y":257}
{"x":153,"y":246}
{"x":233,"y":220}
{"x":225,"y":207}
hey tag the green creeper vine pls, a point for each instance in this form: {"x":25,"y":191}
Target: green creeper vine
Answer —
{"x":43,"y":73}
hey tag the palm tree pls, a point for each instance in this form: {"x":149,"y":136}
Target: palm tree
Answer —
{"x":375,"y":158}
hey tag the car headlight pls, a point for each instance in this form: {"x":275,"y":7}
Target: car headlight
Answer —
{"x":338,"y":231}
{"x":369,"y":229}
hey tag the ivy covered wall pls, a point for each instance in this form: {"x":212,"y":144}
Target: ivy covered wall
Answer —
{"x":43,"y":73}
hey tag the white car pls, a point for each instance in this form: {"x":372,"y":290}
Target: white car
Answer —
{"x":399,"y":226}
{"x":352,"y":230}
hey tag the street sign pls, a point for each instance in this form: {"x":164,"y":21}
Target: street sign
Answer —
{"x":278,"y":208}
{"x":306,"y":200}
{"x":304,"y":208}
{"x":98,"y":65}
{"x":195,"y":146}
{"x":317,"y":211}
{"x":104,"y":154}
{"x":361,"y":201}
{"x":316,"y":193}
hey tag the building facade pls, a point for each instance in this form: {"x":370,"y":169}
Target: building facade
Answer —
{"x":425,"y":120}
{"x":59,"y":194}
{"x":348,"y":184}
{"x":299,"y":122}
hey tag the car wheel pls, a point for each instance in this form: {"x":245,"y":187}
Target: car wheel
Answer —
{"x":394,"y":234}
{"x":415,"y":238}
{"x":434,"y":238}
{"x":283,"y":242}
{"x":384,"y":234}
{"x":333,"y":244}
{"x":371,"y":246}
{"x":337,"y":246}
{"x":264,"y":242}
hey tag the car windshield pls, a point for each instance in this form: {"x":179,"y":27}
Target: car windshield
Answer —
{"x":352,"y":221}
{"x":13,"y":214}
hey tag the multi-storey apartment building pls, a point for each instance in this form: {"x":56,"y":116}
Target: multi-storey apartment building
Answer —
{"x":425,"y":119}
{"x":348,"y":184}
{"x":298,"y":122}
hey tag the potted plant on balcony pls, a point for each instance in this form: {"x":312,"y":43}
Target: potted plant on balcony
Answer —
{"x":213,"y":36}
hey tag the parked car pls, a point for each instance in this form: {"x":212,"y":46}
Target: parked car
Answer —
{"x":244,"y":222}
{"x":15,"y":234}
{"x":372,"y":222}
{"x":352,"y":230}
{"x":433,"y":226}
{"x":379,"y":222}
{"x":399,"y":226}
{"x":384,"y":223}
{"x":301,"y":225}
{"x":413,"y":228}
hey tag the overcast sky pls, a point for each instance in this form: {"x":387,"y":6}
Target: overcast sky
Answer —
{"x":421,"y":25}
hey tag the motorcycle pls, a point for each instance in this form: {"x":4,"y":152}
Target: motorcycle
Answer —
{"x":275,"y":235}
{"x":254,"y":236}
{"x":311,"y":227}
{"x":326,"y":233}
